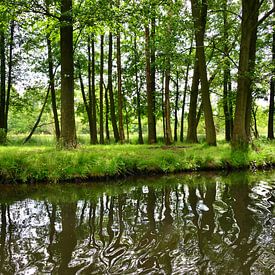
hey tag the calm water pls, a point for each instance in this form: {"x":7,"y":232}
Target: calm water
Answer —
{"x":193,"y":224}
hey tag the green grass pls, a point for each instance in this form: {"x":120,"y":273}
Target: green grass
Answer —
{"x":44,"y":163}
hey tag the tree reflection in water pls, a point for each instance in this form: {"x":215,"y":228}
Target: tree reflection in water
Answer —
{"x":175,"y":225}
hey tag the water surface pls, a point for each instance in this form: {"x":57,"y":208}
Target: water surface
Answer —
{"x":184,"y":224}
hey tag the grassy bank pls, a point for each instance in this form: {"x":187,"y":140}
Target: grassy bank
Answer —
{"x":31,"y":163}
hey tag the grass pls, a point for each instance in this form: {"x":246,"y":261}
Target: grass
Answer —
{"x":33,"y":163}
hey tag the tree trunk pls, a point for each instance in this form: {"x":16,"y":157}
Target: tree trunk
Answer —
{"x":38,"y":118}
{"x":2,"y":88}
{"x":192,"y":115}
{"x":167,"y":114}
{"x":240,"y":136}
{"x":107,"y":116}
{"x":270,"y":134}
{"x":176,"y":109}
{"x":85,"y":101}
{"x":226,"y":75}
{"x":140,"y":137}
{"x":52,"y":88}
{"x":199,"y":17}
{"x":119,"y":92}
{"x":91,"y":85}
{"x":101,"y":92}
{"x":150,"y":95}
{"x":184,"y":93}
{"x":9,"y":73}
{"x":162,"y":104}
{"x":68,"y":130}
{"x":110,"y":88}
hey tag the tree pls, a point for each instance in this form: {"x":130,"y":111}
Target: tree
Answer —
{"x":272,"y":94}
{"x":199,"y":12}
{"x":68,"y":131}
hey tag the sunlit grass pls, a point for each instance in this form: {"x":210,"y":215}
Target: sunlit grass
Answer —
{"x":46,"y":163}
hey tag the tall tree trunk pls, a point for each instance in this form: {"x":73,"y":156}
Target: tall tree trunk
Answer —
{"x":119,"y":92}
{"x":12,"y":24}
{"x":270,"y":134}
{"x":140,"y":137}
{"x":2,"y":88}
{"x":200,"y":17}
{"x":150,"y":95}
{"x":110,"y":88}
{"x":38,"y":118}
{"x":192,"y":115}
{"x":167,"y":113}
{"x":91,"y":85}
{"x":250,"y":11}
{"x":101,"y":92}
{"x":107,"y":116}
{"x":162,"y":104}
{"x":85,"y":101}
{"x":68,"y":130}
{"x":52,"y":88}
{"x":176,"y":109}
{"x":226,"y":75}
{"x":185,"y":92}
{"x":152,"y":49}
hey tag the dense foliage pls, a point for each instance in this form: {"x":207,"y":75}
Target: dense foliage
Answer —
{"x":137,"y":68}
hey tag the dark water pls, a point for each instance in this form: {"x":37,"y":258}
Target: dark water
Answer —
{"x":193,"y":224}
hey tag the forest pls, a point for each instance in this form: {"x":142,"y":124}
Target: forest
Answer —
{"x":137,"y":71}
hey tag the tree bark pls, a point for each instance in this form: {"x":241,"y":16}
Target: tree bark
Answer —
{"x":91,"y":85}
{"x":68,"y":130}
{"x":242,"y":119}
{"x":192,"y":115}
{"x":140,"y":137}
{"x":10,"y":67}
{"x":150,"y":95}
{"x":101,"y":92}
{"x":2,"y":88}
{"x":167,"y":113}
{"x":110,"y":88}
{"x":270,"y":134}
{"x":176,"y":108}
{"x":119,"y":92}
{"x":185,"y":92}
{"x":52,"y":88}
{"x":200,"y":17}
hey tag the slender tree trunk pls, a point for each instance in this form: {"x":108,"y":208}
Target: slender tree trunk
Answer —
{"x":68,"y":130}
{"x":10,"y":65}
{"x":185,"y":92}
{"x":52,"y":88}
{"x":2,"y":88}
{"x":38,"y":118}
{"x":168,"y":132}
{"x":85,"y":101}
{"x":152,"y":49}
{"x":254,"y":113}
{"x":226,"y":75}
{"x":91,"y":82}
{"x":192,"y":115}
{"x":140,"y":137}
{"x":176,"y":109}
{"x":200,"y":16}
{"x":240,"y":136}
{"x":162,"y":104}
{"x":150,"y":95}
{"x":101,"y":92}
{"x":107,"y":116}
{"x":270,"y":134}
{"x":119,"y":92}
{"x":110,"y":88}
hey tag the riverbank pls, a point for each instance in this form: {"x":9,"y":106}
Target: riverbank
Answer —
{"x":25,"y":164}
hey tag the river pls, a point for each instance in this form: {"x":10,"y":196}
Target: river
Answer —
{"x":202,"y":223}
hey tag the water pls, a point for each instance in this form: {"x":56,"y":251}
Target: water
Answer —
{"x":192,"y":224}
